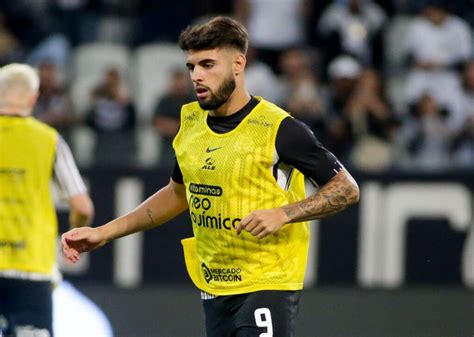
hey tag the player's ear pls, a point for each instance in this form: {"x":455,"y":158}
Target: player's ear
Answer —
{"x":32,"y":99}
{"x":239,"y":64}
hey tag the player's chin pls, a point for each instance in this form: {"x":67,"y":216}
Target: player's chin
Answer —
{"x":204,"y":101}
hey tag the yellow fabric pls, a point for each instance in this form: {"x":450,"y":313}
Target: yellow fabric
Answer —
{"x":28,"y":224}
{"x":227,"y":176}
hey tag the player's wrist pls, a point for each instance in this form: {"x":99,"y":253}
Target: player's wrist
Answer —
{"x":104,"y":234}
{"x":284,"y":215}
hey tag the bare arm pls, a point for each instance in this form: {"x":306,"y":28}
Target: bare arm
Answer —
{"x":338,"y":193}
{"x":82,"y":210}
{"x":162,"y":206}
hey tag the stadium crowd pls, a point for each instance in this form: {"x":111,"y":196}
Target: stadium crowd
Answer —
{"x":383,"y":84}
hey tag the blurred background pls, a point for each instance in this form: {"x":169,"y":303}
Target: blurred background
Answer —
{"x":388,"y":86}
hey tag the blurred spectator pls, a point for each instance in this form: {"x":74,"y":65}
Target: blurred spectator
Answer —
{"x":10,"y":48}
{"x":53,"y":106}
{"x":260,"y":78}
{"x":372,"y":123}
{"x":167,"y":112}
{"x":353,"y":27}
{"x":300,"y":91}
{"x":437,"y":44}
{"x":425,"y":137}
{"x":113,"y":117}
{"x":55,"y":48}
{"x":343,"y":74}
{"x":463,"y":141}
{"x":111,"y":107}
{"x":274,"y":26}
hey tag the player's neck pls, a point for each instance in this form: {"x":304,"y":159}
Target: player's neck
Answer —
{"x":239,"y":98}
{"x":9,"y":110}
{"x":15,"y":105}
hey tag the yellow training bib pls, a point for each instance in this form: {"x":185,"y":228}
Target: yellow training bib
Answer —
{"x":227,"y":176}
{"x":28,"y":225}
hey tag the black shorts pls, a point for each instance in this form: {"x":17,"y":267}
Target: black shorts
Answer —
{"x":26,"y":306}
{"x":262,"y":313}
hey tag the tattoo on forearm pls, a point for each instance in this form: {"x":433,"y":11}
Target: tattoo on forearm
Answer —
{"x":331,"y":198}
{"x":150,"y":215}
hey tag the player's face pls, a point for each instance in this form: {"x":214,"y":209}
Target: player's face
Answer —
{"x":211,"y":73}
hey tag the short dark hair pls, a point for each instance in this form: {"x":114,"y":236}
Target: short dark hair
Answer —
{"x":221,"y":31}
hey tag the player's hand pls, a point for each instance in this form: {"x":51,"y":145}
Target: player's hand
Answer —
{"x":261,"y":223}
{"x":79,"y":240}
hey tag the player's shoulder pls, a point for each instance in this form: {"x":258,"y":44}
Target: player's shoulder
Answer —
{"x":191,"y":109}
{"x":36,"y":123}
{"x":191,"y":113}
{"x":191,"y":105}
{"x":267,"y":104}
{"x":41,"y":126}
{"x":292,"y":129}
{"x":270,"y":108}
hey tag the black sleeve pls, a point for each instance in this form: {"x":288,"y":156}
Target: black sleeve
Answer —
{"x":177,"y":175}
{"x":297,"y":146}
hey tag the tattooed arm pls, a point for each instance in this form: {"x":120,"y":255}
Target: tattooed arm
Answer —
{"x":164,"y":205}
{"x":338,"y":193}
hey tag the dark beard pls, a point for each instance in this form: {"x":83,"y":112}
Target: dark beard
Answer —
{"x":221,"y":96}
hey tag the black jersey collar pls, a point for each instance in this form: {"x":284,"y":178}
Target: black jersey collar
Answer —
{"x":236,"y":116}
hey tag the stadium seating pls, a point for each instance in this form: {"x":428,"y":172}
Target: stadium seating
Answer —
{"x":151,"y":67}
{"x":394,"y":37}
{"x":89,"y":62}
{"x":394,"y":55}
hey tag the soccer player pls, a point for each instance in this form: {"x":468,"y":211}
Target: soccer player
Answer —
{"x":31,"y":155}
{"x":240,"y":167}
